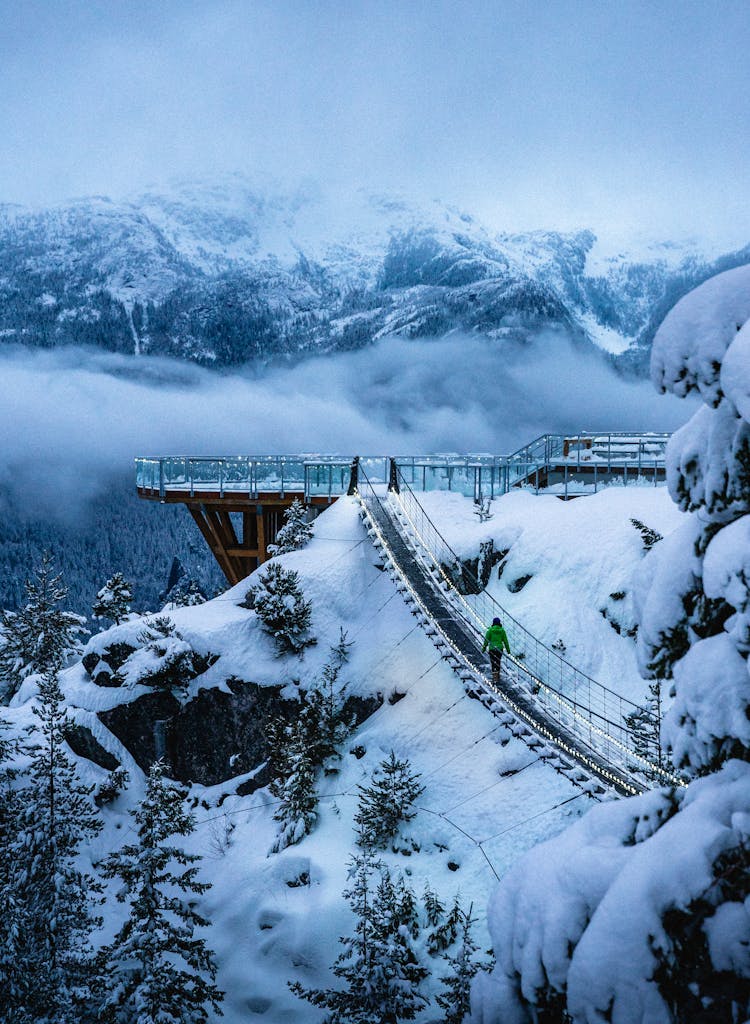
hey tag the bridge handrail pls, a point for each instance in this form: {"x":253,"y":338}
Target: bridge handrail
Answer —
{"x":554,"y":677}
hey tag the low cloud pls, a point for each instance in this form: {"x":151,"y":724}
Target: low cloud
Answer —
{"x":71,"y":419}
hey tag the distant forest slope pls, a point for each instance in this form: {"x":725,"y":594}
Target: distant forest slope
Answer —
{"x":116,"y":533}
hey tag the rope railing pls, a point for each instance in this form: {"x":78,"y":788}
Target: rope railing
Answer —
{"x":579,"y":705}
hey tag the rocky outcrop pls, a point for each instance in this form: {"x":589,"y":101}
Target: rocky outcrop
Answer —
{"x":216,"y":736}
{"x":82,"y":742}
{"x":471,"y":575}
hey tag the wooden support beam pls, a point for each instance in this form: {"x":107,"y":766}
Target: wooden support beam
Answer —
{"x":261,"y":521}
{"x":261,"y":528}
{"x":214,"y":542}
{"x":231,"y":540}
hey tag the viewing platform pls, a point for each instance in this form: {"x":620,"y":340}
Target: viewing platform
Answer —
{"x":238,"y":501}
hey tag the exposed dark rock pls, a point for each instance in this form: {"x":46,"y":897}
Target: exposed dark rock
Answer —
{"x":117,"y":654}
{"x":216,"y":735}
{"x":104,"y":676}
{"x":258,"y":781}
{"x":471,"y":575}
{"x":134,"y":725}
{"x":102,"y":668}
{"x":90,"y":661}
{"x":518,"y":583}
{"x":82,"y":742}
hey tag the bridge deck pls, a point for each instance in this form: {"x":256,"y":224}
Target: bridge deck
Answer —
{"x":466,"y":642}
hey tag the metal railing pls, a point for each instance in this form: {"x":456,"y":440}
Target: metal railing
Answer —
{"x":577,"y":703}
{"x":550,"y":462}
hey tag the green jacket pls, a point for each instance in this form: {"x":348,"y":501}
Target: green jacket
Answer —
{"x":496,"y":638}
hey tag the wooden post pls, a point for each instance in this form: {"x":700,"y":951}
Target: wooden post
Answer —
{"x":393,"y":477}
{"x":354,"y":476}
{"x":262,"y":552}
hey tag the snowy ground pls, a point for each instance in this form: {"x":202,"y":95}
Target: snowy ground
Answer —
{"x":578,"y":554}
{"x":487,"y":797}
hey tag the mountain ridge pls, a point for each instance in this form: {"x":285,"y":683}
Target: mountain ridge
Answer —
{"x":225,"y":274}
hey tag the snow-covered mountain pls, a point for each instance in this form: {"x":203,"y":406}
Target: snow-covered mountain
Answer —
{"x":231,"y":272}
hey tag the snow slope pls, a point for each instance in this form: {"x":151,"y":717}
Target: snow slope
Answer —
{"x":487,"y":797}
{"x":581,"y":556}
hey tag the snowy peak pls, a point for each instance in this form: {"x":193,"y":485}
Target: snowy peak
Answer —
{"x":227,"y":272}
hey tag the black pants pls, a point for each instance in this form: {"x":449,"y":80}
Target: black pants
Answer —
{"x":496,"y":656}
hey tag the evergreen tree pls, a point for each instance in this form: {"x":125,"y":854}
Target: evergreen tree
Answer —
{"x":328,"y":724}
{"x":649,"y":536}
{"x":378,"y":964}
{"x":434,"y":909}
{"x":186,"y":594}
{"x":295,"y":788}
{"x":113,"y":600}
{"x":41,"y":637}
{"x":644,"y":725}
{"x":280,"y":605}
{"x":455,"y":997}
{"x":46,"y":960}
{"x":295,"y":532}
{"x":446,"y":930}
{"x":387,"y":801}
{"x":155,"y":969}
{"x":172,"y":664}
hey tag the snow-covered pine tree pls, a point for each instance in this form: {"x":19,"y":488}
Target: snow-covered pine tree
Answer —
{"x":328,"y":724}
{"x":186,"y":594}
{"x":352,"y":1004}
{"x":433,"y":908}
{"x":295,"y":532}
{"x":446,"y":930}
{"x":295,"y":788}
{"x":11,"y":808}
{"x":455,"y":998}
{"x":113,"y":600}
{"x":387,"y":801}
{"x":157,"y":970}
{"x":46,"y":960}
{"x":394,"y":963}
{"x":644,"y":725}
{"x":41,"y":637}
{"x":278,"y":601}
{"x":679,"y":859}
{"x":171,"y":663}
{"x":378,"y":964}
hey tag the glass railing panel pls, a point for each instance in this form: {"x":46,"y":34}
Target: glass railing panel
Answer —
{"x":237,"y":473}
{"x":319,"y":478}
{"x":294,"y":474}
{"x":174,"y":472}
{"x":267,"y":473}
{"x":376,"y":468}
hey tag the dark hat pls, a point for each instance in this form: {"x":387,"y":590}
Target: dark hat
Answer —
{"x":496,"y":621}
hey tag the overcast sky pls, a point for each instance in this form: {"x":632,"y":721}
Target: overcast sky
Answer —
{"x":632,"y":115}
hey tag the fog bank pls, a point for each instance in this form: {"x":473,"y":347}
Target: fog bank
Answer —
{"x":69,"y":419}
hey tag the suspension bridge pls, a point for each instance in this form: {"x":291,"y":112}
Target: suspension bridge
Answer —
{"x":572,"y":721}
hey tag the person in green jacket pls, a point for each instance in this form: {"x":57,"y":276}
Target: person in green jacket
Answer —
{"x":496,"y":639}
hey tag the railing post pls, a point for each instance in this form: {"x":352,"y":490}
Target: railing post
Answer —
{"x":161,"y":478}
{"x":354,"y":476}
{"x":393,"y":476}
